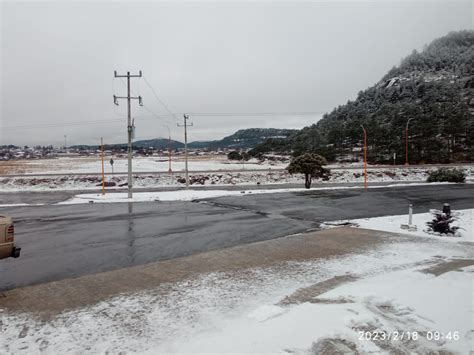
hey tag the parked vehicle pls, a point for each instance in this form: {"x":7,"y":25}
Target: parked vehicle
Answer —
{"x":7,"y":236}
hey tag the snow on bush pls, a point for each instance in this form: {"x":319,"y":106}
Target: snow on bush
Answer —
{"x":441,"y":223}
{"x":445,"y":174}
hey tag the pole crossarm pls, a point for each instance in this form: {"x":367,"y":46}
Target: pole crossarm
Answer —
{"x":126,"y":97}
{"x":128,"y":75}
{"x":139,"y":98}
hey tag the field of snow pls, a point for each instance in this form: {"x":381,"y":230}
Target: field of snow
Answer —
{"x":389,"y":295}
{"x":93,"y":164}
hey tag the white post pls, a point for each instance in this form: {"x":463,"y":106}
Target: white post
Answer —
{"x":410,"y":214}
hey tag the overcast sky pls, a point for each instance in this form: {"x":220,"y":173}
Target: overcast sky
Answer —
{"x":301,"y":58}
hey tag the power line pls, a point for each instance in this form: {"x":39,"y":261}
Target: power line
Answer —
{"x":51,"y":124}
{"x":80,"y":123}
{"x":149,"y":109}
{"x":152,"y":116}
{"x":237,"y":114}
{"x":159,"y":99}
{"x":156,"y":115}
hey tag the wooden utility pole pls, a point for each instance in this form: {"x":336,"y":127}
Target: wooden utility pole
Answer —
{"x":130,"y":126}
{"x":185,"y":125}
{"x":103,"y":173}
{"x":169,"y":154}
{"x":406,"y":141}
{"x":365,"y":158}
{"x":169,"y":150}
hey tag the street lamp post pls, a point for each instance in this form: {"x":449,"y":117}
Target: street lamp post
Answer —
{"x":365,"y":158}
{"x":406,"y":141}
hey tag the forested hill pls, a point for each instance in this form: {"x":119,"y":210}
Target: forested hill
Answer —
{"x":434,"y":88}
{"x":245,"y":138}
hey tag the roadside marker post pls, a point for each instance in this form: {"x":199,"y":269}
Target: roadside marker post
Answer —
{"x":410,"y":226}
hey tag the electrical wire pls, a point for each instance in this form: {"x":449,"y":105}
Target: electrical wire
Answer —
{"x":228,"y":114}
{"x":78,"y":123}
{"x":159,"y":99}
{"x":241,"y":114}
{"x":68,"y":124}
{"x":154,"y":115}
{"x":160,"y":117}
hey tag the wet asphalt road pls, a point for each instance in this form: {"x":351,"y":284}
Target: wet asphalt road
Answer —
{"x":71,"y":240}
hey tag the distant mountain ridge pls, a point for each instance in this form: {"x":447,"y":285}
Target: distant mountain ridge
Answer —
{"x":242,"y":139}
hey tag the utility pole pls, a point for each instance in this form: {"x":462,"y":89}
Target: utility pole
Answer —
{"x":130,"y":126}
{"x":65,"y":142}
{"x":365,"y":158}
{"x":406,"y":141}
{"x":169,"y":150}
{"x":102,"y":158}
{"x":185,"y":125}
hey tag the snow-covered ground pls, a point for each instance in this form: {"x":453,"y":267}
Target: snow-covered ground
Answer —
{"x":244,"y":312}
{"x":388,"y":302}
{"x":93,"y":164}
{"x":463,"y":219}
{"x":266,"y":177}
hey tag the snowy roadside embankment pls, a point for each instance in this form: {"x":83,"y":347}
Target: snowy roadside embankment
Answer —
{"x":463,"y":219}
{"x":264,"y":177}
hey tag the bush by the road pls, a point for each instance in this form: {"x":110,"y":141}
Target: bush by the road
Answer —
{"x":445,"y":174}
{"x":311,"y":165}
{"x":234,"y":155}
{"x":441,"y":223}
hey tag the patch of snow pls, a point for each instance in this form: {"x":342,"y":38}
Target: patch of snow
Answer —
{"x":265,"y":312}
{"x":392,"y":224}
